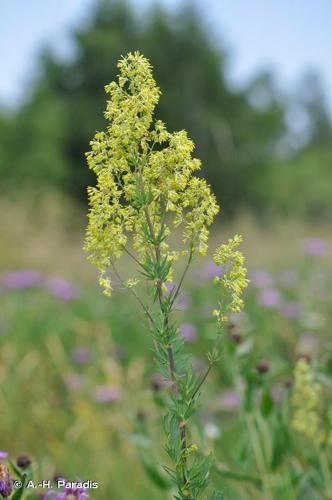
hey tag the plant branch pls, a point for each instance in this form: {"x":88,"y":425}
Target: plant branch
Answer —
{"x":178,"y":288}
{"x":199,"y":385}
{"x":133,"y":292}
{"x":133,"y":256}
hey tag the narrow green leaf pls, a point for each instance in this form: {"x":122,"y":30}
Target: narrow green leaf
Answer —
{"x":238,"y":476}
{"x":217,"y":495}
{"x":18,"y":493}
{"x":266,"y":402}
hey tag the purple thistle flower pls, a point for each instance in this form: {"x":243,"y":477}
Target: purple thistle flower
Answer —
{"x":229,"y":401}
{"x":25,"y":278}
{"x":308,"y":345}
{"x":188,"y":332}
{"x":269,"y":298}
{"x":71,"y":493}
{"x":288,"y":278}
{"x":277,"y":394}
{"x":67,"y":494}
{"x":62,"y":289}
{"x":158,"y":382}
{"x":204,"y":310}
{"x":236,"y":318}
{"x":199,"y":366}
{"x":210,"y":271}
{"x":291,"y":311}
{"x":50,"y":494}
{"x":261,"y":279}
{"x":107,"y":394}
{"x":182,"y":302}
{"x":74,"y":381}
{"x":314,"y":247}
{"x":169,"y":288}
{"x":6,"y":484}
{"x":3,"y":455}
{"x":81,"y":355}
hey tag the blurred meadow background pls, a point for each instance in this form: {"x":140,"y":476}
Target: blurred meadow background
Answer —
{"x":79,"y":393}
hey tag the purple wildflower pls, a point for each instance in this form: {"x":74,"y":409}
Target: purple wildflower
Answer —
{"x":18,"y":280}
{"x":210,"y":271}
{"x":315,"y":247}
{"x":119,"y":353}
{"x":158,"y":382}
{"x":261,"y":279}
{"x":3,"y":455}
{"x":269,"y":298}
{"x":229,"y":401}
{"x":308,"y":345}
{"x":81,"y":355}
{"x":277,"y":394}
{"x":288,"y":278}
{"x":71,"y":493}
{"x":182,"y":302}
{"x":6,"y":484}
{"x":67,"y":494}
{"x":107,"y":394}
{"x":62,"y":289}
{"x":199,"y":366}
{"x":234,"y":333}
{"x":205,"y":309}
{"x":291,"y":311}
{"x":74,"y":381}
{"x":188,"y":332}
{"x":169,"y":288}
{"x":236,"y":318}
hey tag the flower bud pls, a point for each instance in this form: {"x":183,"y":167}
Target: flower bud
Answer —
{"x":23,"y":461}
{"x":263,"y":367}
{"x":6,"y":484}
{"x":234,"y":333}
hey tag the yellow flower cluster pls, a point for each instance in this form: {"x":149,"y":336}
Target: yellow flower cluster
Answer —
{"x":144,"y":178}
{"x":233,"y":279}
{"x":306,"y":397}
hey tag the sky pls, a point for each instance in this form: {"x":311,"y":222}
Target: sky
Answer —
{"x":286,"y":36}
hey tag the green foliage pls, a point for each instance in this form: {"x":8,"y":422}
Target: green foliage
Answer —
{"x":302,"y":186}
{"x":258,"y":453}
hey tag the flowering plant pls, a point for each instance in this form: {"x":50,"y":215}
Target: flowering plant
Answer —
{"x":146,"y":186}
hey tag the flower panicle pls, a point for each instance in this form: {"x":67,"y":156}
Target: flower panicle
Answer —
{"x":233,"y":280}
{"x":306,"y":403}
{"x":143,"y":173}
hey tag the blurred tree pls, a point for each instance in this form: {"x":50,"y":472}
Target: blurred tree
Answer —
{"x":237,"y":132}
{"x":312,"y":99}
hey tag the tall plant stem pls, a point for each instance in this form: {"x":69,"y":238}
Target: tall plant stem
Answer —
{"x":166,"y":310}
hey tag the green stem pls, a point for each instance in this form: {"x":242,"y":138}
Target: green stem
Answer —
{"x":326,"y":472}
{"x":178,"y":288}
{"x":166,"y":311}
{"x":139,"y":300}
{"x":128,"y":252}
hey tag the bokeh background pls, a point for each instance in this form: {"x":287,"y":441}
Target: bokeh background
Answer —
{"x":251,"y":83}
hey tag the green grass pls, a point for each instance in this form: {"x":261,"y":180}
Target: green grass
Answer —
{"x":48,"y":406}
